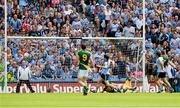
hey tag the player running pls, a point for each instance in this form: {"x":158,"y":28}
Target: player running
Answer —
{"x":161,"y":71}
{"x":104,"y":72}
{"x":83,"y":59}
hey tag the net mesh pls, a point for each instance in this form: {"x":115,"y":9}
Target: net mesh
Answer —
{"x":53,"y":59}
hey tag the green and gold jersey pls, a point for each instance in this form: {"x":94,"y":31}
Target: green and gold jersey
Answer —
{"x":165,"y":59}
{"x":2,"y":67}
{"x":84,"y":57}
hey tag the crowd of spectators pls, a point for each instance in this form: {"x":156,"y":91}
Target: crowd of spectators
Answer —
{"x":75,"y":18}
{"x":1,"y":39}
{"x":95,"y":18}
{"x":54,"y":59}
{"x":2,"y":31}
{"x":163,"y":34}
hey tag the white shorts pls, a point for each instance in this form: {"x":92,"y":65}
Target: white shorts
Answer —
{"x":83,"y":73}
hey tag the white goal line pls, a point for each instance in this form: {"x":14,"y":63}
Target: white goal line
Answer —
{"x":106,"y":38}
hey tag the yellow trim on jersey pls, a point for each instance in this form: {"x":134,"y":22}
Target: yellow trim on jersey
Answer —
{"x":86,"y":66}
{"x":128,"y":83}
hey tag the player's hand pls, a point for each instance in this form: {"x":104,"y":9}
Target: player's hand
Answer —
{"x":75,"y":68}
{"x":94,"y":70}
{"x":95,"y":66}
{"x":111,"y":72}
{"x":164,"y":70}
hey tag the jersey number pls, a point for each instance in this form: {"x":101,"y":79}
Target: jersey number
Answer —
{"x":84,"y":57}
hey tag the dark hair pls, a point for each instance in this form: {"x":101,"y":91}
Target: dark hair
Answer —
{"x":23,"y":60}
{"x":158,"y":53}
{"x":106,"y":56}
{"x":83,"y":46}
{"x":163,"y":52}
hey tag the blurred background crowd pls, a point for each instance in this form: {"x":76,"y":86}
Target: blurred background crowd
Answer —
{"x":54,"y":59}
{"x":75,"y":18}
{"x":163,"y":34}
{"x":91,"y":18}
{"x":2,"y":25}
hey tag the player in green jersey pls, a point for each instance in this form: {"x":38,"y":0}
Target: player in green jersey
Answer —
{"x":83,"y":59}
{"x":2,"y":67}
{"x":2,"y":77}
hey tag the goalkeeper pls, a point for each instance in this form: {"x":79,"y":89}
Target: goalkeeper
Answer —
{"x":118,"y":88}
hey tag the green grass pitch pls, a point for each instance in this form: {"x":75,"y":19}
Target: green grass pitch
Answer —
{"x":98,"y":100}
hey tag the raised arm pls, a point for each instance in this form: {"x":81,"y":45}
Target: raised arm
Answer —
{"x":99,"y":66}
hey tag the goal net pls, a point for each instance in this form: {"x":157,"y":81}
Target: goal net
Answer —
{"x":52,"y":61}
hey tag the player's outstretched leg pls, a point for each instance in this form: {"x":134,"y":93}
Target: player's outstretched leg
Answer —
{"x":83,"y":83}
{"x":85,"y":90}
{"x":168,"y":85}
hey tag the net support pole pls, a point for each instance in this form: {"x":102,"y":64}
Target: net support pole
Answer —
{"x":5,"y":39}
{"x":137,"y":62}
{"x":145,"y":83}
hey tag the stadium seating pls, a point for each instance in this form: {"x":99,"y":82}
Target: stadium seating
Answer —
{"x":50,"y":59}
{"x":104,"y":18}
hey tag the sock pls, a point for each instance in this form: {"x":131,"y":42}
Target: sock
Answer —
{"x":165,"y":85}
{"x":161,"y":88}
{"x":85,"y":87}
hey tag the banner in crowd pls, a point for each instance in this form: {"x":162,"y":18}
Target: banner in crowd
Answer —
{"x":66,"y":87}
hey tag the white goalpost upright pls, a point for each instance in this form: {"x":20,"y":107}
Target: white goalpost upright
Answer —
{"x":140,"y":57}
{"x":137,"y":53}
{"x":145,"y":80}
{"x":5,"y":36}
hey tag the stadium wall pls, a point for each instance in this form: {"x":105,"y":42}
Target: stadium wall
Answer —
{"x":42,"y":87}
{"x":74,"y":87}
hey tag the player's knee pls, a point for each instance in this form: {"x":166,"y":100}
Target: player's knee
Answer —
{"x":99,"y":80}
{"x":79,"y":78}
{"x":164,"y":79}
{"x":83,"y":78}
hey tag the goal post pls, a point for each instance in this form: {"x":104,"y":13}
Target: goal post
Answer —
{"x":140,"y":57}
{"x":128,"y":49}
{"x":145,"y":79}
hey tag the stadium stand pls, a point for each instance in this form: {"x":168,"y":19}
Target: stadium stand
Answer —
{"x":54,"y":59}
{"x":1,"y":32}
{"x":163,"y":33}
{"x":88,"y":18}
{"x":75,"y":18}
